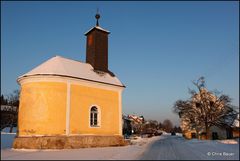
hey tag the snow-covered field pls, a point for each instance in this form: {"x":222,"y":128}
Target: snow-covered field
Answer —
{"x":167,"y":147}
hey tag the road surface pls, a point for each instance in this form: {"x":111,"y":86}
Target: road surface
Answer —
{"x":177,"y":148}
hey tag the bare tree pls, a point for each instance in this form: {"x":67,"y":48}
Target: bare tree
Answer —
{"x":177,"y":129}
{"x":9,"y":113}
{"x":13,"y":98}
{"x":205,"y":109}
{"x":150,"y":127}
{"x":167,"y":125}
{"x":160,"y":126}
{"x":4,"y":101}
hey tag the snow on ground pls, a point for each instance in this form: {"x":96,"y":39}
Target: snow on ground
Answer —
{"x":143,"y":140}
{"x":214,"y":149}
{"x":7,"y":138}
{"x":133,"y":151}
{"x":179,"y":134}
{"x":175,"y":147}
{"x":7,"y":130}
{"x":230,"y":141}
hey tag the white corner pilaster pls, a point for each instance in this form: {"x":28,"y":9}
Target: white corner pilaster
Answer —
{"x":68,"y":108}
{"x":120,"y":111}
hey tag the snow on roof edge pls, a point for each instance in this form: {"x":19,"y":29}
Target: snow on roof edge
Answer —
{"x":96,"y":27}
{"x":60,"y":60}
{"x":24,"y":76}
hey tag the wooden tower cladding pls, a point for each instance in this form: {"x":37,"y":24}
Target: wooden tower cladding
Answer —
{"x":97,"y":47}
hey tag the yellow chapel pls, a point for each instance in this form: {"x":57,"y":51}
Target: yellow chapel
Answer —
{"x":66,"y":103}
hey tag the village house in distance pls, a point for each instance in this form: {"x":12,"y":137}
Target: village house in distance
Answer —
{"x":215,"y":132}
{"x":66,"y":103}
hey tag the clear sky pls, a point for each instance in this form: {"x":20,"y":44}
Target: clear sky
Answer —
{"x":155,"y":48}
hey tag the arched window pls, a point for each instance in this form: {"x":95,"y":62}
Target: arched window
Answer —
{"x":94,"y":116}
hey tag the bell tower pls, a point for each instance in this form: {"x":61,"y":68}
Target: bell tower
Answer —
{"x":97,"y":47}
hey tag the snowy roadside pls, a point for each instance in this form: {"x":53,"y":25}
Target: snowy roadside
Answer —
{"x":177,"y":148}
{"x":7,"y":137}
{"x":129,"y":152}
{"x":214,"y":149}
{"x":168,"y":147}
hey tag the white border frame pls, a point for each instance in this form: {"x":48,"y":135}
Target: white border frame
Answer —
{"x":98,"y":119}
{"x":68,"y":108}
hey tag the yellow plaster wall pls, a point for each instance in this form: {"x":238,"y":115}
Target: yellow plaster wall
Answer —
{"x":82,"y":98}
{"x":42,"y":109}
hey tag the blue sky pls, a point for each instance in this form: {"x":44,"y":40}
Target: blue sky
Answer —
{"x":155,"y":48}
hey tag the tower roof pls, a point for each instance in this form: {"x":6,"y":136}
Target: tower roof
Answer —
{"x":97,"y":27}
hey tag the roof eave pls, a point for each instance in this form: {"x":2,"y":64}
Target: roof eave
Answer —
{"x":95,"y":28}
{"x":24,"y":76}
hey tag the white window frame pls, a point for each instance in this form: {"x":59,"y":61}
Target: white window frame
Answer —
{"x":98,"y":117}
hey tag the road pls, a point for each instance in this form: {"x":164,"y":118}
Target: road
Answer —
{"x":177,"y":148}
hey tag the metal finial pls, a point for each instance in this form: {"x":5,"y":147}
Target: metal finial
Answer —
{"x":97,"y":16}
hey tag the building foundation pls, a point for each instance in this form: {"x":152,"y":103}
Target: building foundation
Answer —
{"x":67,"y":142}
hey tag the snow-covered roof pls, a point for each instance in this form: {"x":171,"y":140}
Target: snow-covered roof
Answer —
{"x":66,"y":67}
{"x":236,"y":122}
{"x":98,"y":28}
{"x":135,"y":118}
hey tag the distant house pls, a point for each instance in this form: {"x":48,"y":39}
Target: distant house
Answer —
{"x":136,"y":123}
{"x":215,"y":133}
{"x":9,"y":108}
{"x":132,"y":124}
{"x":224,"y":132}
{"x":127,"y":126}
{"x":236,"y":128}
{"x":136,"y":119}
